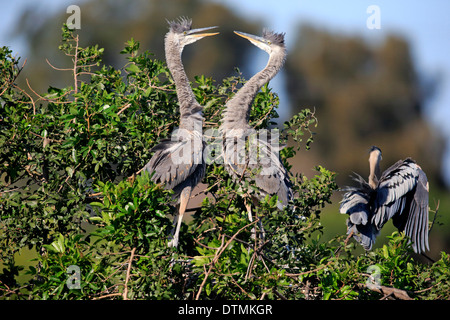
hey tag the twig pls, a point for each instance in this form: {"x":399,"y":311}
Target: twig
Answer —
{"x":108,"y":296}
{"x":59,"y":69}
{"x":32,"y":100}
{"x":209,"y":270}
{"x":10,"y":82}
{"x":49,"y":140}
{"x":387,"y":291}
{"x":219,"y":252}
{"x":308,"y":272}
{"x":68,"y":177}
{"x":163,"y":88}
{"x":205,"y":191}
{"x":75,"y":66}
{"x":426,"y":289}
{"x":264,"y":117}
{"x":29,"y":97}
{"x":10,"y":190}
{"x":125,"y":291}
{"x":250,"y":266}
{"x":434,"y":218}
{"x":124,"y":108}
{"x":93,"y":195}
{"x":279,"y":295}
{"x":11,"y":291}
{"x":337,"y":252}
{"x":234,"y":194}
{"x":243,"y":291}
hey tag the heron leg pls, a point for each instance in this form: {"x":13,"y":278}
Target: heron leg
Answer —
{"x":184,"y":199}
{"x":262,"y":232}
{"x":250,"y":218}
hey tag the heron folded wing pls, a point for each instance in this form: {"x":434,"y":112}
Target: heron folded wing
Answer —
{"x":261,"y":162}
{"x":275,"y":182}
{"x":176,"y":162}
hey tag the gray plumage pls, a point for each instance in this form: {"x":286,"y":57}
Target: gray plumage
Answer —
{"x":271,"y":177}
{"x":170,"y":173}
{"x":178,"y":163}
{"x":400,"y":194}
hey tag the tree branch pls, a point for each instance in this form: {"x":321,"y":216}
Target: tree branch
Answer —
{"x":125,"y":291}
{"x":219,"y":252}
{"x":387,"y":291}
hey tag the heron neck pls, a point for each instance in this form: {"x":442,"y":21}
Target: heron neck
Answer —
{"x":237,"y":112}
{"x":190,"y":109}
{"x":374,"y":164}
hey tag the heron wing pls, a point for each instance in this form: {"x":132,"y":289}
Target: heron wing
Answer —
{"x":356,"y":203}
{"x":414,"y":219}
{"x":273,"y":178}
{"x":402,"y":196}
{"x":265,"y":167}
{"x":176,"y":164}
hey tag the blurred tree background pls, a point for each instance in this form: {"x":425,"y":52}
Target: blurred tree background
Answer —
{"x":110,"y":23}
{"x":364,"y":93}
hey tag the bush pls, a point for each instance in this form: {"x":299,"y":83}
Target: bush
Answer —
{"x":73,"y":192}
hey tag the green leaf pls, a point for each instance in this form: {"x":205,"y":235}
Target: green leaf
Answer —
{"x":385,"y":252}
{"x":132,"y":68}
{"x":200,"y":261}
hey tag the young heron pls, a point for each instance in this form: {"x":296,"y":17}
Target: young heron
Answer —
{"x":176,"y":172}
{"x":400,"y":193}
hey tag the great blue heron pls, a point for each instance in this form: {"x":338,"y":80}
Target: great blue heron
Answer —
{"x":178,"y":163}
{"x":400,"y":194}
{"x":270,"y":175}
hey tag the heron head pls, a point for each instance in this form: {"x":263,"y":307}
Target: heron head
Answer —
{"x":268,"y":42}
{"x":375,"y":154}
{"x":182,"y":33}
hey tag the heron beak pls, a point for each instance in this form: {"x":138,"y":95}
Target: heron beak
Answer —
{"x":194,"y":32}
{"x":250,"y":37}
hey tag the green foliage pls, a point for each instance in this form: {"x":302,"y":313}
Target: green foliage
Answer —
{"x":71,"y":190}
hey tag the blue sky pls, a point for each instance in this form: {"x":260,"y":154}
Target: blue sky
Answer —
{"x":424,"y":23}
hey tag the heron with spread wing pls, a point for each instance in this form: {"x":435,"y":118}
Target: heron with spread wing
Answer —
{"x":270,"y":175}
{"x":178,"y":162}
{"x":400,"y":194}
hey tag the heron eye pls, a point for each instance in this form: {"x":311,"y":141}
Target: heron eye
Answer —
{"x":185,"y":32}
{"x":269,"y":42}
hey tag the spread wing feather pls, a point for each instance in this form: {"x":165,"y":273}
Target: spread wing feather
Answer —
{"x":401,"y":195}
